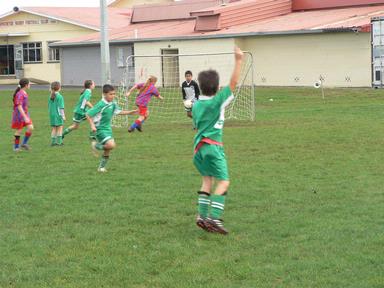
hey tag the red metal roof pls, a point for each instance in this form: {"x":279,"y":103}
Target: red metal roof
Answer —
{"x":83,"y":16}
{"x":321,"y":4}
{"x":296,"y":22}
{"x":240,"y":12}
{"x":171,"y":11}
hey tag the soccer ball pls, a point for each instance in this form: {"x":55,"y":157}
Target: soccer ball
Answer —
{"x":188,"y":104}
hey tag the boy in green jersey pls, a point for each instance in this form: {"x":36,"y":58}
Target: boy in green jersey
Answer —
{"x":81,"y":106}
{"x":100,"y":117}
{"x":56,"y":113}
{"x":209,"y":158}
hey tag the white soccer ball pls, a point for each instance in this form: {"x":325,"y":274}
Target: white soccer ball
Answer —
{"x":188,"y":104}
{"x":318,"y":84}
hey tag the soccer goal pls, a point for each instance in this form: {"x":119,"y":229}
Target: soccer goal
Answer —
{"x":169,"y":68}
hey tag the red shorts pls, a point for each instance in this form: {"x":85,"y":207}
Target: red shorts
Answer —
{"x":143,"y":111}
{"x":21,"y":125}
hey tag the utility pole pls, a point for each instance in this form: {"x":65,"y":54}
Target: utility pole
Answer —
{"x":104,"y":45}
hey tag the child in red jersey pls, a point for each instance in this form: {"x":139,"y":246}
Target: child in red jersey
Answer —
{"x":146,"y":91}
{"x":20,"y":116}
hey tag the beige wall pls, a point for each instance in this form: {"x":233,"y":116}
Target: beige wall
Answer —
{"x":40,"y":33}
{"x":130,"y":3}
{"x":153,"y":66}
{"x":343,"y":59}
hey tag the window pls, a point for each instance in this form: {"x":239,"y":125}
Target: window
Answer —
{"x":54,"y":54}
{"x":19,"y":22}
{"x":32,"y":52}
{"x":120,"y":57}
{"x":32,"y":21}
{"x":44,"y":21}
{"x":8,"y":23}
{"x":52,"y":21}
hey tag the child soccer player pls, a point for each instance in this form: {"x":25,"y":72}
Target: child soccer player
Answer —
{"x":146,"y":91}
{"x":56,"y":113}
{"x":82,"y":106}
{"x":20,"y":115}
{"x":209,"y":158}
{"x":190,"y":91}
{"x":100,"y":117}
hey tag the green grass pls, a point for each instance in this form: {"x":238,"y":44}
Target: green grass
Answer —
{"x":305,"y":207}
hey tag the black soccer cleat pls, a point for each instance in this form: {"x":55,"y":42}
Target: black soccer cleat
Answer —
{"x":139,"y":128}
{"x":200,"y":222}
{"x":216,"y":225}
{"x":130,"y":129}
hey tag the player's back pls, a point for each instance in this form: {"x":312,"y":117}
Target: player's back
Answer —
{"x":208,"y":115}
{"x":81,"y":104}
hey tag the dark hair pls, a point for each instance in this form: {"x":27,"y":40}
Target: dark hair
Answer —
{"x":55,"y":86}
{"x":87,"y":85}
{"x":209,"y":82}
{"x":22,"y":83}
{"x":108,"y":88}
{"x":188,"y":72}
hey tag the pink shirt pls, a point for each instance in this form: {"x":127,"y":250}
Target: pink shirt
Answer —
{"x":144,"y":97}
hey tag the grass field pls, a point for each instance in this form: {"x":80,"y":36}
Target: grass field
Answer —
{"x":305,"y":208}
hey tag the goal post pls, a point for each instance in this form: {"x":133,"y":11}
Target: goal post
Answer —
{"x":170,"y":68}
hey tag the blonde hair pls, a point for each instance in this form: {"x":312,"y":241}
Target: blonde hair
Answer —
{"x":151,"y":80}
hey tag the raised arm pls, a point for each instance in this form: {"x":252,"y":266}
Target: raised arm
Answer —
{"x":237,"y":70}
{"x":134,"y":87}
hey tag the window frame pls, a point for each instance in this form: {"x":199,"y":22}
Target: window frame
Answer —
{"x":50,"y":51}
{"x":35,"y":48}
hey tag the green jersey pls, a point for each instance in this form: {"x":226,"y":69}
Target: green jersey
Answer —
{"x":55,"y":109}
{"x":208,"y":115}
{"x":81,"y":106}
{"x":102,"y":114}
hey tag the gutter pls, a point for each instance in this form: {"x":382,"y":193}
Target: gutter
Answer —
{"x":202,"y":37}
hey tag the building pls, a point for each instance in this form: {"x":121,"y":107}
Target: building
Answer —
{"x":25,"y":34}
{"x":294,"y":42}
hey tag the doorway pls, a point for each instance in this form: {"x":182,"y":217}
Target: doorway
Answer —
{"x":7,"y":60}
{"x":170,"y":67}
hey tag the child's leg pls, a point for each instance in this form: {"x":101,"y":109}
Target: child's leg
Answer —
{"x":204,"y":196}
{"x":53,"y":136}
{"x":137,"y":124}
{"x":189,"y":114}
{"x":218,"y":199}
{"x":107,"y":147}
{"x":74,"y":126}
{"x":143,"y":114}
{"x":59,"y":135}
{"x":16,"y":146}
{"x":27,"y":135}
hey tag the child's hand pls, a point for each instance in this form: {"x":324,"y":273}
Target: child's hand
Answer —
{"x":238,"y":54}
{"x":93,"y":128}
{"x":161,"y":97}
{"x":128,"y":93}
{"x":64,"y":119}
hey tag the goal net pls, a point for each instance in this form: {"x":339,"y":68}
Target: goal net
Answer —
{"x":170,"y":70}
